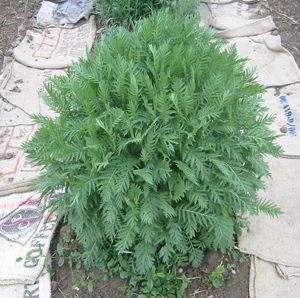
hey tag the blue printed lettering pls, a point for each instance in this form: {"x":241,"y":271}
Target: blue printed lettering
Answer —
{"x":288,"y":113}
{"x":292,"y":131}
{"x":283,"y":99}
{"x":290,"y":124}
{"x":285,"y":107}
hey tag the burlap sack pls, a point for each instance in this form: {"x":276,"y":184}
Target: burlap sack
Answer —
{"x":287,"y":271}
{"x":252,"y":27}
{"x":228,"y":16}
{"x":55,"y":47}
{"x":277,"y":239}
{"x":16,"y":169}
{"x":283,"y":104}
{"x":274,"y":243}
{"x":265,"y":282}
{"x":40,"y":289}
{"x":5,"y":71}
{"x":11,"y":115}
{"x":22,"y":229}
{"x":275,"y":65}
{"x":229,"y":1}
{"x":22,"y":88}
{"x":235,"y":19}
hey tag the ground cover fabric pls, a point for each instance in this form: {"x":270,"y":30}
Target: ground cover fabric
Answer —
{"x":229,"y":1}
{"x":284,"y":105}
{"x":275,"y":66}
{"x":266,"y":283}
{"x":273,"y":243}
{"x":277,"y":240}
{"x":22,"y":229}
{"x":22,"y":88}
{"x":41,"y":54}
{"x":11,"y":115}
{"x":17,"y":171}
{"x":40,"y":289}
{"x":236,"y":19}
{"x":20,"y":92}
{"x":55,"y":47}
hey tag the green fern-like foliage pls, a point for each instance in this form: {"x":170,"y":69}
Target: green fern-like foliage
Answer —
{"x":126,"y":12}
{"x":159,"y":143}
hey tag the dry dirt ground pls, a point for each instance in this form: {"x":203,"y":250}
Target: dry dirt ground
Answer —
{"x":14,"y":20}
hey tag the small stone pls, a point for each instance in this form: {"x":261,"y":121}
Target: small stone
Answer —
{"x":283,"y":129}
{"x":21,"y":29}
{"x":18,"y":42}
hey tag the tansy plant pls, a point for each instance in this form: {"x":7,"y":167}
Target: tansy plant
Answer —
{"x":158,"y":144}
{"x":126,"y":12}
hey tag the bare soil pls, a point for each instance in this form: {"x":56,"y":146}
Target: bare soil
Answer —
{"x":14,"y":21}
{"x":286,"y":16}
{"x":62,"y":282}
{"x":15,"y":18}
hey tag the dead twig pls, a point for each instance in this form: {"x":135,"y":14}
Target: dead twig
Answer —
{"x":295,"y":22}
{"x":101,"y":289}
{"x":191,"y":278}
{"x":62,"y":293}
{"x":197,"y":292}
{"x":230,"y":257}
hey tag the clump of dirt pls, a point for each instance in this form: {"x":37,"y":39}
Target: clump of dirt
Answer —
{"x":15,"y":18}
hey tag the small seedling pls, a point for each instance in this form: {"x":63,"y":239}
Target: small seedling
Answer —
{"x":160,"y":283}
{"x":216,"y":277}
{"x":88,"y":282}
{"x":230,"y":267}
{"x":238,"y":256}
{"x":34,"y":260}
{"x":66,"y":244}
